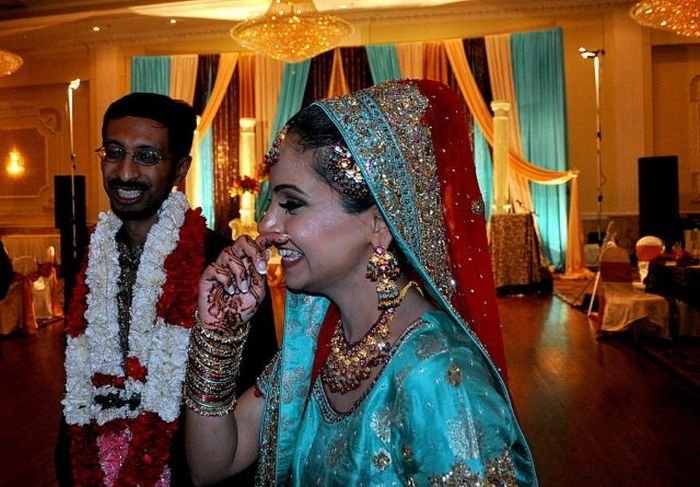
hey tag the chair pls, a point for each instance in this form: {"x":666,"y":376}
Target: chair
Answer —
{"x":647,"y":249}
{"x":622,"y":305}
{"x":12,"y":309}
{"x":26,"y":271}
{"x":43,"y":284}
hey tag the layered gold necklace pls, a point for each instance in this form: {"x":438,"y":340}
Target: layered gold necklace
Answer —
{"x":348,"y":364}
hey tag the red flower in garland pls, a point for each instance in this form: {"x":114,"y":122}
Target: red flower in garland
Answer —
{"x":100,"y":380}
{"x":75,"y":319}
{"x":176,"y":305}
{"x":134,"y":369}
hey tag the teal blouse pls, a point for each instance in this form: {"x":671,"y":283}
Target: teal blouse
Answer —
{"x":433,"y":416}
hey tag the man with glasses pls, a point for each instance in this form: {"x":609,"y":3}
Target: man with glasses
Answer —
{"x":133,"y":306}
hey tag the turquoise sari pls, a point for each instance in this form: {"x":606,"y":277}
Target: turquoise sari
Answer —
{"x":439,"y":412}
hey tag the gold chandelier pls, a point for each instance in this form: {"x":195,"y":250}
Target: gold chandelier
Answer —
{"x":9,"y":62}
{"x":681,"y":17}
{"x":292,"y":31}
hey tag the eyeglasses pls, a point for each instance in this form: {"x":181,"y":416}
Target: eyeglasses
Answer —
{"x":142,"y":157}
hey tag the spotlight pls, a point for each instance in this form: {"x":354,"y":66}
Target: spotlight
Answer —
{"x":588,"y":54}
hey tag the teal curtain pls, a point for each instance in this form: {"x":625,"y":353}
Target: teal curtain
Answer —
{"x":294,"y":79}
{"x":484,"y":169}
{"x":206,"y":171}
{"x":538,"y":74}
{"x":383,"y":63}
{"x":150,"y":74}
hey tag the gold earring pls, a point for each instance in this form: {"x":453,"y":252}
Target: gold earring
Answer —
{"x":383,"y":268}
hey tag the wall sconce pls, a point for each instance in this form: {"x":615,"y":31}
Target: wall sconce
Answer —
{"x":15,"y":164}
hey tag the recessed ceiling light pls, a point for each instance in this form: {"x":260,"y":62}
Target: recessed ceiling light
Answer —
{"x":173,"y":21}
{"x":96,"y":28}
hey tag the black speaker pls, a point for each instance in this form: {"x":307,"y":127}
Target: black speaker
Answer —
{"x":63,"y":198}
{"x":658,"y":198}
{"x":74,"y":236}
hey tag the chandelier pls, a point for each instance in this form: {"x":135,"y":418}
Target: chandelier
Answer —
{"x":9,"y":62}
{"x":292,"y":31}
{"x":681,"y":17}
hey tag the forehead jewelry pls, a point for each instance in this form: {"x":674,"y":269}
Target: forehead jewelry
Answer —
{"x":273,"y":155}
{"x":345,"y":173}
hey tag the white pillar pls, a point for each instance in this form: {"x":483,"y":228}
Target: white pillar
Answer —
{"x":500,"y":156}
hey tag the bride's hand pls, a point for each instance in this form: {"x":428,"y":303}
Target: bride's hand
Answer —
{"x":232,"y":288}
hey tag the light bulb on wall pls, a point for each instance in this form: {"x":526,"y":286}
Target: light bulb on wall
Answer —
{"x":15,"y":164}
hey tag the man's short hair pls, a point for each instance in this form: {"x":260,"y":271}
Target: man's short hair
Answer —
{"x":176,"y":115}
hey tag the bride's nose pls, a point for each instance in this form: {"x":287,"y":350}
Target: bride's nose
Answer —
{"x":269,"y":222}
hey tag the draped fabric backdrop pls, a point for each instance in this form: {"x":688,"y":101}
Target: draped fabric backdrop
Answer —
{"x":383,"y":63}
{"x":226,"y":130}
{"x":475,"y":50}
{"x":524,"y":69}
{"x":291,"y":97}
{"x":539,"y":87}
{"x":150,"y":74}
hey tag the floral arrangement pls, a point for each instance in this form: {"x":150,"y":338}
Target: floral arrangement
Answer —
{"x":244,"y":184}
{"x":122,"y":414}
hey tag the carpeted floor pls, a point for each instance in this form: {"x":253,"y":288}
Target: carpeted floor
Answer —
{"x":681,"y":355}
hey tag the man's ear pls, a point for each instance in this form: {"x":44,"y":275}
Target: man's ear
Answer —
{"x":181,"y":169}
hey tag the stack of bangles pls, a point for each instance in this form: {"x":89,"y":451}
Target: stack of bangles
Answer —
{"x":213,"y":366}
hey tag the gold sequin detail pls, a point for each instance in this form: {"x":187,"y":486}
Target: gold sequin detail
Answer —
{"x":454,"y":375}
{"x":381,"y":460}
{"x":407,"y":454}
{"x":499,"y":472}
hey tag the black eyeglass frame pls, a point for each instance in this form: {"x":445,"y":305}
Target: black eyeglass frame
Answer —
{"x":102,"y":154}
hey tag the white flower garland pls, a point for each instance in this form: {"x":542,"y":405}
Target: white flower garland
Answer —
{"x":160,"y":347}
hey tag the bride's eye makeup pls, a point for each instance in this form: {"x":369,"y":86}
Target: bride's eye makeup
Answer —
{"x":290,"y":205}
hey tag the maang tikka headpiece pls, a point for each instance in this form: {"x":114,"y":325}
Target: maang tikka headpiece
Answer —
{"x":273,"y":155}
{"x":345,"y":173}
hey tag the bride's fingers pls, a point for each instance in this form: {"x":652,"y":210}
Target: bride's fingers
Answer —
{"x":267,"y":240}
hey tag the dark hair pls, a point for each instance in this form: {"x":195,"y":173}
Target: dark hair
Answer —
{"x":312,"y":129}
{"x":176,"y":115}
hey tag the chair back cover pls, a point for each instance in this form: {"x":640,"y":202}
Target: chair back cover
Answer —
{"x":24,"y":265}
{"x":615,"y":264}
{"x":648,"y":248}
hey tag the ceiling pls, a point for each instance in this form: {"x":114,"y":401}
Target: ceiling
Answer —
{"x":50,"y":25}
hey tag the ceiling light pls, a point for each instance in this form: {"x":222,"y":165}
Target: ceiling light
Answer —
{"x":9,"y":62}
{"x":681,"y":17}
{"x":292,"y":31}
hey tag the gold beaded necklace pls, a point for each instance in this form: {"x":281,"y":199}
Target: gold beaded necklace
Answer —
{"x":348,"y":364}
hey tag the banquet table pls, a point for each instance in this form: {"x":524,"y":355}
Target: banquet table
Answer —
{"x":681,"y":282}
{"x":518,"y":263}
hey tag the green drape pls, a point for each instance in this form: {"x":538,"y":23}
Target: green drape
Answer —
{"x":294,"y":78}
{"x":383,"y":63}
{"x":150,"y":74}
{"x":206,"y":182}
{"x":484,"y":169}
{"x":538,"y":74}
{"x":207,"y":68}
